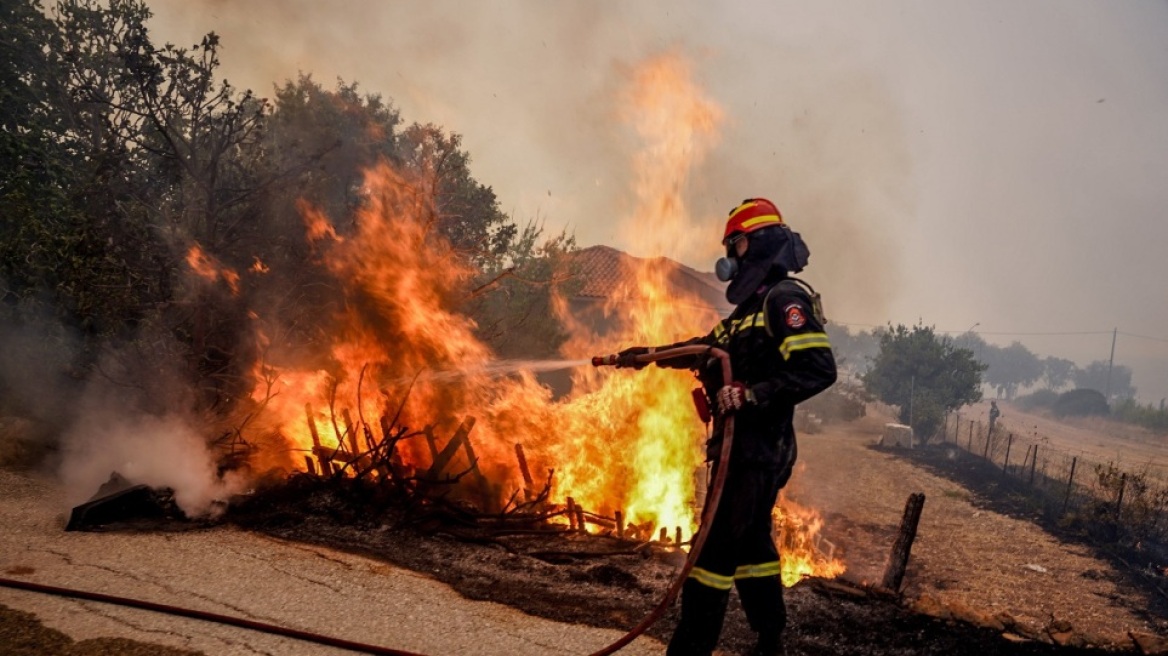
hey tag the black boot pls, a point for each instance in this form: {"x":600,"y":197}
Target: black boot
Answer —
{"x":702,"y":611}
{"x":769,"y":644}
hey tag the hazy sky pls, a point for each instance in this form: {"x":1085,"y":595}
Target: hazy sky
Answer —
{"x":997,"y":163}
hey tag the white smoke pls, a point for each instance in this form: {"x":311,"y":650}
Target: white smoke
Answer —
{"x":161,"y":452}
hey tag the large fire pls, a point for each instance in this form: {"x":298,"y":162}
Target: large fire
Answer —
{"x":621,"y":441}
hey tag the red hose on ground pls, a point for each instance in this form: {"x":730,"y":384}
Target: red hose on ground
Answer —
{"x":207,"y":616}
{"x":711,"y":506}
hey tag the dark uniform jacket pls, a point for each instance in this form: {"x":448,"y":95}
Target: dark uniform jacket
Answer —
{"x":783,"y":355}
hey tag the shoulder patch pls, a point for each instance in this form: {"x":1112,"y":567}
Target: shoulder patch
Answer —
{"x":793,"y":316}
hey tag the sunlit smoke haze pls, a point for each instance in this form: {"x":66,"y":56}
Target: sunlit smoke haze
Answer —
{"x":997,"y":163}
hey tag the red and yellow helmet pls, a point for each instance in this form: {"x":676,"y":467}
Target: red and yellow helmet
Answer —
{"x":751,"y":215}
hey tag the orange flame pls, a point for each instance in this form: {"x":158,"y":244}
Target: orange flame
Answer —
{"x":621,"y":441}
{"x":208,"y":268}
{"x":802,"y":550}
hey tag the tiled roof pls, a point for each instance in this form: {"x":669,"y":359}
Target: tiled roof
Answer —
{"x":608,"y":273}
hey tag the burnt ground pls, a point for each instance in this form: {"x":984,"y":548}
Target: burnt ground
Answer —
{"x":601,"y":581}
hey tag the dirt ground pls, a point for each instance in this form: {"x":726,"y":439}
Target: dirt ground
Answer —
{"x":964,"y":552}
{"x":979,"y":582}
{"x":969,"y":566}
{"x":1096,"y":438}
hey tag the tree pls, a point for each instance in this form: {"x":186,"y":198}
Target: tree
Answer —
{"x":118,"y":157}
{"x":1057,"y":372}
{"x":854,"y":350}
{"x":925,"y":376}
{"x":468,"y":212}
{"x":1012,"y":367}
{"x":514,"y":306}
{"x":1095,"y":376}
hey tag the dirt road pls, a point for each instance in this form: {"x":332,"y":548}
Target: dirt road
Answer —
{"x":232,"y":572}
{"x":965,"y":557}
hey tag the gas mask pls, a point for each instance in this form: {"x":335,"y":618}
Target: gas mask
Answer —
{"x":773,"y":250}
{"x":726,"y":268}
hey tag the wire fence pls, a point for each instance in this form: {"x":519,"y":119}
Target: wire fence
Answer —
{"x":1127,"y":502}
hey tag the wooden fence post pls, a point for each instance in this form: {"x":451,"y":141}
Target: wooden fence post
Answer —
{"x":1119,"y":502}
{"x":1033,"y":464}
{"x":1070,"y":482}
{"x":898,"y":557}
{"x":1006,"y":462}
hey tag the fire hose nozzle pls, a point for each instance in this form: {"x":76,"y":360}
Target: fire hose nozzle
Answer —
{"x":604,"y":360}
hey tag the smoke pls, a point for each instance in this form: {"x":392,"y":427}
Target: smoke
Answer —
{"x":135,"y":417}
{"x":536,"y":92}
{"x":159,"y":451}
{"x":125,"y":417}
{"x":37,"y":355}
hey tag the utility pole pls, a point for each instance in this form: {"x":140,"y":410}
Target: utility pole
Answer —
{"x":1110,"y":364}
{"x":912,"y":384}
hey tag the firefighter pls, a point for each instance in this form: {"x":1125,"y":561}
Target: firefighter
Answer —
{"x":780,"y":356}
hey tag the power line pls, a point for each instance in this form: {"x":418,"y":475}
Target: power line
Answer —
{"x":1154,"y":339}
{"x":1000,"y":333}
{"x":1060,"y":332}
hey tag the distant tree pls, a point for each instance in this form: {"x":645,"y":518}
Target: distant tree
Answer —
{"x":856,"y":350}
{"x":1012,"y":367}
{"x":924,"y":375}
{"x":1057,"y":373}
{"x":1080,"y":402}
{"x":973,"y":343}
{"x":1095,"y":377}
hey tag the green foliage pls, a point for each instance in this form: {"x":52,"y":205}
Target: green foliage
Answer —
{"x":924,"y":375}
{"x":1080,"y":403}
{"x":1057,"y":372}
{"x":1148,"y":416}
{"x":468,"y":212}
{"x":853,"y":351}
{"x":515,"y":306}
{"x":1099,"y":375}
{"x":1007,"y":369}
{"x":117,"y":156}
{"x":1043,"y":398}
{"x":1012,"y":367}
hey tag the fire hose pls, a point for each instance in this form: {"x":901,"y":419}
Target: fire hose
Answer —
{"x":712,"y":499}
{"x":711,"y":506}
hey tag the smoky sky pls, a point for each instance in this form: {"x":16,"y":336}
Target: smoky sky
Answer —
{"x":994,"y":164}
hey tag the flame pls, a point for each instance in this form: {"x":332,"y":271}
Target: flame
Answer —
{"x":205,"y":266}
{"x":803,"y":551}
{"x":621,"y":441}
{"x":258,"y":266}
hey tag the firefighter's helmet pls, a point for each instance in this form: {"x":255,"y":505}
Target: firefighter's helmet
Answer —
{"x":752,"y":214}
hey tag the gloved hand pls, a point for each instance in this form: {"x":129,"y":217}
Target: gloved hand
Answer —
{"x":734,"y":397}
{"x":626,"y":358}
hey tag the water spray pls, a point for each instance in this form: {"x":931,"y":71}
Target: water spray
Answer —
{"x":497,"y":369}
